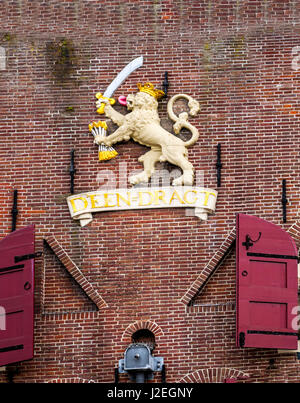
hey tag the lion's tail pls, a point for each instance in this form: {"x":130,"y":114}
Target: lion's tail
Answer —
{"x":182,"y":120}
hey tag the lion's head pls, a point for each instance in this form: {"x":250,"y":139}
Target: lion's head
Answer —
{"x":141,"y":100}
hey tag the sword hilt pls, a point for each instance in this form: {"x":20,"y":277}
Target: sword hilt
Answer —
{"x":101,"y":109}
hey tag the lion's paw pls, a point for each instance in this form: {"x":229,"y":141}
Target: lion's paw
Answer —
{"x":178,"y":181}
{"x":141,"y":177}
{"x":187,"y":179}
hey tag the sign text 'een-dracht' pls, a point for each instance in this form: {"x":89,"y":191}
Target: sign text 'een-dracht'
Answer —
{"x":82,"y":206}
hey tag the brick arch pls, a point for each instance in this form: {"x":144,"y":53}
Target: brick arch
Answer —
{"x":138,"y":325}
{"x":213,"y":375}
{"x":70,"y":380}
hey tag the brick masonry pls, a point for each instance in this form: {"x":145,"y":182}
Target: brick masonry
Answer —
{"x":160,"y":270}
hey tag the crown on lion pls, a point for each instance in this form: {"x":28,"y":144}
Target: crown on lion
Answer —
{"x":151,"y":90}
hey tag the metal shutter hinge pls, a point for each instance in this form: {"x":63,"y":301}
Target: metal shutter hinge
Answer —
{"x":28,"y":257}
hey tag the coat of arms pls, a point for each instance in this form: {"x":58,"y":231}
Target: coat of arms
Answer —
{"x":142,"y":124}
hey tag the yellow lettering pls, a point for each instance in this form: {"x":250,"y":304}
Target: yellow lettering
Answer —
{"x":159,"y":195}
{"x":75,"y":209}
{"x":128,"y":201}
{"x":207,"y":194}
{"x":185,"y":197}
{"x":93,"y":201}
{"x":177,"y":197}
{"x":141,"y":199}
{"x":107,"y":200}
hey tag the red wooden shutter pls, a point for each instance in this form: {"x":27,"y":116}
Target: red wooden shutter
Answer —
{"x":16,"y":296}
{"x":267,"y":285}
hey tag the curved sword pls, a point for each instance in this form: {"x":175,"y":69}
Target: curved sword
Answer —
{"x":130,"y":68}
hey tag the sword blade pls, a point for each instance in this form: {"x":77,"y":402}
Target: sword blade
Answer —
{"x":131,"y":67}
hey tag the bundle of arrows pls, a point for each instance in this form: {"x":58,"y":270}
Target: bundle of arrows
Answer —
{"x":99,"y":129}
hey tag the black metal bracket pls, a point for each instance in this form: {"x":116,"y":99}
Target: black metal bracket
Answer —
{"x":249,"y":242}
{"x":166,"y":84}
{"x":273,"y":256}
{"x":28,"y":257}
{"x":72,"y":171}
{"x":284,"y":200}
{"x":272,"y":333}
{"x":14,"y":211}
{"x":163,"y":374}
{"x":116,"y":371}
{"x":11,"y":372}
{"x":219,"y":165}
{"x":242,"y":339}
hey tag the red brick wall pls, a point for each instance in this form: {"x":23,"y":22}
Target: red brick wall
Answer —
{"x":134,"y":268}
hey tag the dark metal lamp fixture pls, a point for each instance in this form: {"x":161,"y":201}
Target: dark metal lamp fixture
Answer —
{"x":140,"y":364}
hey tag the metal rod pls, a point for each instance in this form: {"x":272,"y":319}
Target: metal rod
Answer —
{"x":72,"y":172}
{"x":140,"y":377}
{"x":284,"y":200}
{"x":219,"y":165}
{"x":163,"y":374}
{"x":166,"y":84}
{"x":116,"y":375}
{"x":14,"y":211}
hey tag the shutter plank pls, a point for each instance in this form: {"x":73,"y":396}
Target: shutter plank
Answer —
{"x":267,"y":285}
{"x":16,"y":296}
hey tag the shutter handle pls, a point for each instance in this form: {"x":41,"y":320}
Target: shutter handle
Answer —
{"x":249,"y":242}
{"x":27,"y":286}
{"x":244,"y":273}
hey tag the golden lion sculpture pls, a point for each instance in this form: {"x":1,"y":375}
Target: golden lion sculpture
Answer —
{"x":142,"y":124}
